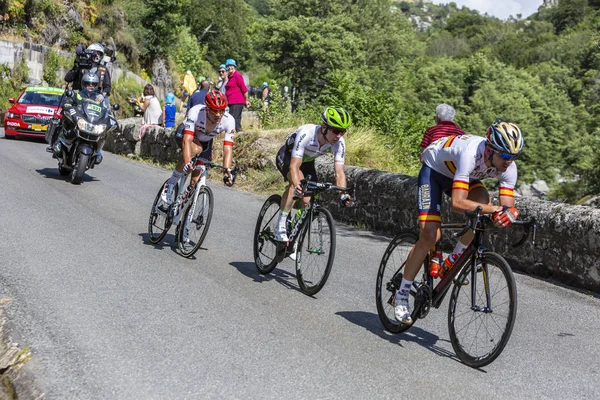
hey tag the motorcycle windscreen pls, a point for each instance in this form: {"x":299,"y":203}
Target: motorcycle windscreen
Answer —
{"x":94,"y":112}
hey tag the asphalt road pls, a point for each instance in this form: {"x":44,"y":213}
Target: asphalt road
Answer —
{"x":108,"y":316}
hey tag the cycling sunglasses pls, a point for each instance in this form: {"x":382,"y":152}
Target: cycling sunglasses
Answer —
{"x":218,"y":113}
{"x":337,"y":132}
{"x":507,"y":157}
{"x":222,"y":71}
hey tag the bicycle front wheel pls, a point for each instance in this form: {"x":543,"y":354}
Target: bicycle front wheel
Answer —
{"x":315,"y":252}
{"x":482,"y":313}
{"x":265,"y":246}
{"x":195,"y":223}
{"x":389,"y":278}
{"x":159,"y":222}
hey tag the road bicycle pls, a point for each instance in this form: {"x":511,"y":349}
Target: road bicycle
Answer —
{"x":310,"y":231}
{"x":191,"y":210}
{"x":483,"y":302}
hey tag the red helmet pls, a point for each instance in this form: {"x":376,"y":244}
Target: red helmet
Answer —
{"x":215,"y":100}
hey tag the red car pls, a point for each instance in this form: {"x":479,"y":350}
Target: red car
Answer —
{"x":31,"y":111}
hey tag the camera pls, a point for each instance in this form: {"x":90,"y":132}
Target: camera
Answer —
{"x":84,"y":60}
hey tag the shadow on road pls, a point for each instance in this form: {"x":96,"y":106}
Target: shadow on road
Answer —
{"x":280,"y":276}
{"x":52,"y":173}
{"x":371,"y":322}
{"x":169,"y":241}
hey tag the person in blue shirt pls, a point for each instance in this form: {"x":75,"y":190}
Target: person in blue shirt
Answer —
{"x":169,"y":111}
{"x":198,"y":96}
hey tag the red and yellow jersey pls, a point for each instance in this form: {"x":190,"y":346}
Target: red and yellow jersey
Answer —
{"x":462,"y":159}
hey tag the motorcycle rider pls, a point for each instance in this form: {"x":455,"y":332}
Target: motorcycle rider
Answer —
{"x":88,"y":61}
{"x":89,"y":89}
{"x":96,"y":53}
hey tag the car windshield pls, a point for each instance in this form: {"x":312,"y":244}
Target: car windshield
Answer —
{"x":47,"y":99}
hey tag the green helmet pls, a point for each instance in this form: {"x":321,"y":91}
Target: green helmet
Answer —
{"x":336,"y":117}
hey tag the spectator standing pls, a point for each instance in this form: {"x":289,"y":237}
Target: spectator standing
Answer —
{"x":444,"y":126}
{"x":198,"y":96}
{"x":222,"y":78}
{"x":236,"y":92}
{"x":150,"y":106}
{"x":169,"y":111}
{"x":266,"y":95}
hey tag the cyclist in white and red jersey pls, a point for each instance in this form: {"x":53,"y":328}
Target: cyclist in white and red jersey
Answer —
{"x":202,"y":124}
{"x":296,"y":159}
{"x":457,"y":163}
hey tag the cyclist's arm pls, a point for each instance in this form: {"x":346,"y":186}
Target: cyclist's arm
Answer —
{"x":295,"y":164}
{"x":507,"y":183}
{"x":460,"y":186}
{"x":460,"y":202}
{"x":188,"y":140}
{"x":340,"y":175}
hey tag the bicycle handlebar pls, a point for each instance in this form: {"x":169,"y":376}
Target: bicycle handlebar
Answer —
{"x":234,"y":171}
{"x":477,"y":215}
{"x":312,"y":187}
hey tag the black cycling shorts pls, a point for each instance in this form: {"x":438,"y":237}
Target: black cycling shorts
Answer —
{"x":206,"y":147}
{"x":282,"y":161}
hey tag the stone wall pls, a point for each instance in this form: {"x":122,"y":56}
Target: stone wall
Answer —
{"x":568,"y":237}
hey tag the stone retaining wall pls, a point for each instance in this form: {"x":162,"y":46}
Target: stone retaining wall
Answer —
{"x":568,"y":237}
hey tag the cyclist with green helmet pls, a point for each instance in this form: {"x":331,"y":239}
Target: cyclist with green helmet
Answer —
{"x":296,"y":159}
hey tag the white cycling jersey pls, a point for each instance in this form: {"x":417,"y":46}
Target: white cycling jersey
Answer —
{"x":462,"y":159}
{"x":306,"y":145}
{"x":195,"y":124}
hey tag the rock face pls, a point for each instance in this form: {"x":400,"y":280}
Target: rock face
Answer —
{"x":55,"y":32}
{"x":161,"y":76}
{"x":567,"y":242}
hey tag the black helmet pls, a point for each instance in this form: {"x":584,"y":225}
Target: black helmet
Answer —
{"x":90,"y":81}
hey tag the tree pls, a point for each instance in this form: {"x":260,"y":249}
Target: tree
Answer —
{"x":222,"y":26}
{"x":163,"y":22}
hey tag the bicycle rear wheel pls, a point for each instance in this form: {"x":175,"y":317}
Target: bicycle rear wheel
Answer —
{"x":265,"y":246}
{"x":316,"y":252}
{"x":195,"y":223}
{"x":159,"y":221}
{"x":479,"y":332}
{"x":389,"y":278}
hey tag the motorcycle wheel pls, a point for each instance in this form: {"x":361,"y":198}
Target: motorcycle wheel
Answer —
{"x":79,"y":169}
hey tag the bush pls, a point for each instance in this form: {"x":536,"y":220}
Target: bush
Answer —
{"x":51,"y":66}
{"x":121,"y":92}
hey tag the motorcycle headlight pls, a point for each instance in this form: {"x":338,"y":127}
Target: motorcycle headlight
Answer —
{"x":99,"y":129}
{"x":83,"y":125}
{"x":13,"y":115}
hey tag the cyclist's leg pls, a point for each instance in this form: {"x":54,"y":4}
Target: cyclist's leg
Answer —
{"x":430,"y":186}
{"x":282,"y":162}
{"x":206,"y":152}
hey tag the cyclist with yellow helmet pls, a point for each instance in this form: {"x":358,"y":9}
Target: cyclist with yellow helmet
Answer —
{"x":296,"y":159}
{"x":455,"y":164}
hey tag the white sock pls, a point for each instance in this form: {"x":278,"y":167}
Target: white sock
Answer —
{"x":459,"y":248}
{"x":283,"y":218}
{"x":404,"y":290}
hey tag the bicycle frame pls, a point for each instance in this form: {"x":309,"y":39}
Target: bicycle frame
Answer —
{"x":181,"y":201}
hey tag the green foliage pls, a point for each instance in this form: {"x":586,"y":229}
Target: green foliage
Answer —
{"x":51,"y":66}
{"x":11,"y":81}
{"x":121,"y":92}
{"x":163,"y":21}
{"x":221,"y":26}
{"x":189,"y":54}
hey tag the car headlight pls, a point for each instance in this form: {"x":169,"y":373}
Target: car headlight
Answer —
{"x":13,"y":115}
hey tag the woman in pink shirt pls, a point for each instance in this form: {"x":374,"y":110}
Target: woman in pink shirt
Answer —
{"x":236,"y":92}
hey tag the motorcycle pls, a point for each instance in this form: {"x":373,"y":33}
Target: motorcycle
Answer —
{"x":86,"y":120}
